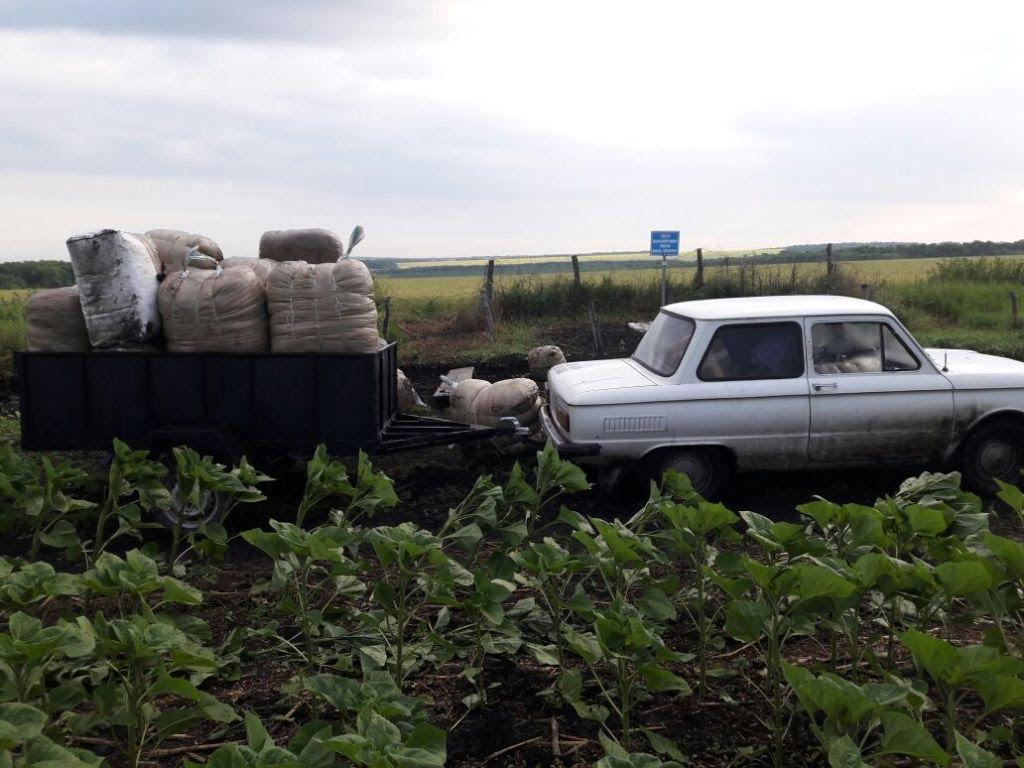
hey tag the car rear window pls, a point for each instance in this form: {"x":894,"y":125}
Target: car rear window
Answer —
{"x":663,"y":346}
{"x":755,"y":351}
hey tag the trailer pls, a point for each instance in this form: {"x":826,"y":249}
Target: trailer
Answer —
{"x":261,"y":406}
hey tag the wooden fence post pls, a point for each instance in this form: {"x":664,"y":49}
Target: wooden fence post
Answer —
{"x":576,"y":271}
{"x":698,"y":277}
{"x":595,"y":328}
{"x":1013,"y":308}
{"x":489,"y":281}
{"x":387,"y":316}
{"x":829,"y":266}
{"x":865,"y":291}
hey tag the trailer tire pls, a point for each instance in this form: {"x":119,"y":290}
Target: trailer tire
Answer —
{"x":708,"y":469}
{"x":993,"y":451}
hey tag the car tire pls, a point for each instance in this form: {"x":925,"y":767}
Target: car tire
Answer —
{"x":993,"y":451}
{"x":707,"y":468}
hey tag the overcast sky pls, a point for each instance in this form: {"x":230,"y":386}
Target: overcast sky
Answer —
{"x":482,"y":128}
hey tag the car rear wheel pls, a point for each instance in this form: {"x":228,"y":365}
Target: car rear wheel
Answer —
{"x":993,"y":452}
{"x":707,"y":468}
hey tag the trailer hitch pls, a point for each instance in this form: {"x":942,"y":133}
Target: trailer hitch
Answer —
{"x":511,"y":425}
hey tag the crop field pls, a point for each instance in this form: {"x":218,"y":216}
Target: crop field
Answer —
{"x":435,"y":615}
{"x":583,"y":258}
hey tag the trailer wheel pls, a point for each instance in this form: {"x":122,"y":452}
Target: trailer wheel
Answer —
{"x":707,"y":468}
{"x":190,"y":516}
{"x":994,"y":451}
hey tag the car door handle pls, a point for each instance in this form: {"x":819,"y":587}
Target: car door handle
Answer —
{"x":825,"y":385}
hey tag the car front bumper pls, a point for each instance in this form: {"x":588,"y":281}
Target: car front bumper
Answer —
{"x":565,"y":447}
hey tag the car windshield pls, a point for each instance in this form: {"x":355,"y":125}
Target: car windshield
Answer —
{"x":663,"y":346}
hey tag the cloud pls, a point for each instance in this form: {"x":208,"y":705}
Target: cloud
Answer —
{"x":482,"y":127}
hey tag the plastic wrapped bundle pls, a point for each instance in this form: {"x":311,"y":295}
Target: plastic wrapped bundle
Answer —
{"x":262,"y":267}
{"x":117,"y":285}
{"x":322,"y":308}
{"x":55,"y":322}
{"x":314,"y":246}
{"x":174,"y":245}
{"x":408,"y":397}
{"x":214,"y":311}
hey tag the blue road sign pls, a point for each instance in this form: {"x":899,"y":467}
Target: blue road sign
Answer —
{"x":664,"y":243}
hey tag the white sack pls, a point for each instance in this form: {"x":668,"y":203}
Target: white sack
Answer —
{"x":117,"y":285}
{"x":479,"y":402}
{"x":408,"y":397}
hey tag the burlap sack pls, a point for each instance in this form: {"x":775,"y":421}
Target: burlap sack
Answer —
{"x":543,"y":359}
{"x":55,"y":322}
{"x":117,"y":284}
{"x":262,"y":267}
{"x":315,"y":246}
{"x":463,"y":396}
{"x":519,"y":398}
{"x":322,"y":308}
{"x":214,"y":311}
{"x":173,"y":246}
{"x":151,"y":248}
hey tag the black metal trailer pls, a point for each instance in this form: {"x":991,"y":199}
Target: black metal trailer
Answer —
{"x":263,"y":406}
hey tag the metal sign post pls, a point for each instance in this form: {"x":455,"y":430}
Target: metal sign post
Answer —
{"x":664,"y":244}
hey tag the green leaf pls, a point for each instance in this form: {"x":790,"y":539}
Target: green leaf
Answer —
{"x":843,"y":753}
{"x":745,"y":620}
{"x":963,"y":578}
{"x":903,"y":735}
{"x":19,"y":723}
{"x":974,"y":756}
{"x":937,"y":657}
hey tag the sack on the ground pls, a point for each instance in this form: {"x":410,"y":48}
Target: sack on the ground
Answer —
{"x":408,"y":397}
{"x":173,"y":246}
{"x":55,"y":322}
{"x":214,"y":311}
{"x":262,"y":267}
{"x":117,"y":285}
{"x":543,"y":359}
{"x":322,"y":308}
{"x":519,"y":398}
{"x":479,"y":402}
{"x":315,"y":246}
{"x":463,"y":395}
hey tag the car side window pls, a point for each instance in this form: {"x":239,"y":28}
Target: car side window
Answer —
{"x":755,"y":351}
{"x":859,"y":347}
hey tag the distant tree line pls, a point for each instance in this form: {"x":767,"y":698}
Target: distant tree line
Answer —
{"x":910,"y":250}
{"x":35,"y":274}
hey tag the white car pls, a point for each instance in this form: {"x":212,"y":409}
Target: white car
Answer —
{"x":789,"y":382}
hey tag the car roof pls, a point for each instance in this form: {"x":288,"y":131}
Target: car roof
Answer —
{"x":754,"y":307}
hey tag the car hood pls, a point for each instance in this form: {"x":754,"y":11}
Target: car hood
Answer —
{"x":968,"y":369}
{"x":581,"y":383}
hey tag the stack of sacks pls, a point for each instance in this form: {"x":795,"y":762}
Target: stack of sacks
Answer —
{"x":173,"y":246}
{"x":314,"y":246}
{"x":262,"y":267}
{"x":55,"y":322}
{"x":322,"y":308}
{"x":475,"y":401}
{"x":117,"y":286}
{"x":218,"y":310}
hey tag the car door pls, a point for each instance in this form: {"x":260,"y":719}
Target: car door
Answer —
{"x":748,"y":392}
{"x":874,"y":394}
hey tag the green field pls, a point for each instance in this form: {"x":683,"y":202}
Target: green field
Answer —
{"x":709,"y":253}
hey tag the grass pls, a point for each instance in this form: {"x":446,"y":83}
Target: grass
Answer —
{"x":562,"y":258}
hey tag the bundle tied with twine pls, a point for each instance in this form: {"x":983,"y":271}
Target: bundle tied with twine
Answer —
{"x":322,"y":308}
{"x":208,"y":309}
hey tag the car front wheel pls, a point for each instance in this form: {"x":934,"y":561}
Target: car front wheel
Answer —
{"x":707,"y":468}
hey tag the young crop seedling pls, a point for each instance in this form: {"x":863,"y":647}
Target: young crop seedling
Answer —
{"x":23,"y":743}
{"x":305,"y":750}
{"x":313,"y":572}
{"x":199,"y":477}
